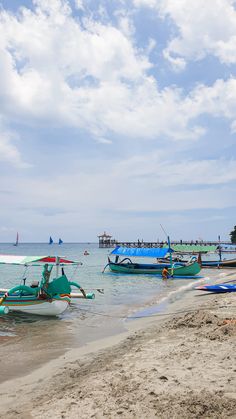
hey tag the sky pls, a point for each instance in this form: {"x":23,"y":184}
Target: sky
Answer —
{"x":117,"y":115}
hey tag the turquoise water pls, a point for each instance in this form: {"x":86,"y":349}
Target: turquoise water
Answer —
{"x":119,"y":300}
{"x":117,"y":291}
{"x":116,"y":296}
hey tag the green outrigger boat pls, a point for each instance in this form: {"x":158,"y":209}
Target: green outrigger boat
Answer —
{"x":169,"y":269}
{"x":48,"y":297}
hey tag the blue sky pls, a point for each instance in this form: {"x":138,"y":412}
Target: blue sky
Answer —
{"x":117,"y":116}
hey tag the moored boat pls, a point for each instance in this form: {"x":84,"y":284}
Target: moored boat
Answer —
{"x":223,"y":263}
{"x":142,"y":268}
{"x":47,"y":297}
{"x":215,"y":263}
{"x":126,"y":265}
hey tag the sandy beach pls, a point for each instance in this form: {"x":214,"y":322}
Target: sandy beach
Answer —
{"x":179,"y":366}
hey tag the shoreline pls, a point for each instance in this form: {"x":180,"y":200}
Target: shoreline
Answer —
{"x":39,"y":340}
{"x":138,"y":372}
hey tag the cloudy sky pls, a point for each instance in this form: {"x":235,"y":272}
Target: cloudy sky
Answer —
{"x":117,"y":115}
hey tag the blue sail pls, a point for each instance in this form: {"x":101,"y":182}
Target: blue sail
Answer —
{"x":60,"y":241}
{"x":50,"y":240}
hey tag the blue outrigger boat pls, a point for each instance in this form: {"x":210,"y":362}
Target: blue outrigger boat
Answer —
{"x":189,"y":269}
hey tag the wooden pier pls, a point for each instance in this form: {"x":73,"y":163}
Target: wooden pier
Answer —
{"x":106,"y":241}
{"x":173,"y":242}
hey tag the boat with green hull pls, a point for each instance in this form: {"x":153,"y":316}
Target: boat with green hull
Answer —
{"x":46,"y":297}
{"x":128,"y":267}
{"x":189,"y":269}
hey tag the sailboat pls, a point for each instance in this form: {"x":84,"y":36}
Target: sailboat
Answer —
{"x":50,"y":240}
{"x":17,"y":240}
{"x":60,"y":241}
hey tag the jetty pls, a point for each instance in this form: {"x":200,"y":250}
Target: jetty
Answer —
{"x":106,"y":241}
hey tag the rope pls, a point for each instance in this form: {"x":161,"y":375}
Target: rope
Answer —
{"x":74,"y":272}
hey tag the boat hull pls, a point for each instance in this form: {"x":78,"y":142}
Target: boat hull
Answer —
{"x":219,"y":263}
{"x":41,"y":307}
{"x":220,"y":288}
{"x":227,"y":263}
{"x":153,"y":269}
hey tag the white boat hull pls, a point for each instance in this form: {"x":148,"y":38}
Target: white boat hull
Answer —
{"x":42,"y":308}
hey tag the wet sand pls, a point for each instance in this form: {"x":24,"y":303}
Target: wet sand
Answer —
{"x":26,"y":344}
{"x":182,"y":365}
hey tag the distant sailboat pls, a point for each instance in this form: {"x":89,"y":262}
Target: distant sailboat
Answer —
{"x":17,"y":239}
{"x":60,"y":241}
{"x":50,"y":240}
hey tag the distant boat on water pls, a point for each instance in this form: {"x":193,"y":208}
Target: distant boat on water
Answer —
{"x":17,"y":240}
{"x":60,"y":241}
{"x":50,"y":240}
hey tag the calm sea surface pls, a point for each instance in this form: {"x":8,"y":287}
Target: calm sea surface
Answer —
{"x":116,"y":297}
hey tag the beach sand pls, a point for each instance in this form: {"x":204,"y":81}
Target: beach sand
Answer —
{"x":181,"y":367}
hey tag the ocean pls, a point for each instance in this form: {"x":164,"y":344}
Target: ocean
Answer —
{"x":117,"y":297}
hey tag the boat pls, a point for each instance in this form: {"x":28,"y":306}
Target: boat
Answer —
{"x":219,"y":288}
{"x":216,"y":263}
{"x":189,"y":269}
{"x":47,"y":297}
{"x":17,"y":240}
{"x":50,"y":240}
{"x":60,"y":241}
{"x":223,"y":263}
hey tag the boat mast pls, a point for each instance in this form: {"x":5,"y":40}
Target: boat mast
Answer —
{"x":168,"y":238}
{"x":220,"y":254}
{"x":17,"y":239}
{"x":57,"y":259}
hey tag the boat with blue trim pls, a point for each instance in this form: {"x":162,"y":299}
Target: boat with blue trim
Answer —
{"x":189,"y":269}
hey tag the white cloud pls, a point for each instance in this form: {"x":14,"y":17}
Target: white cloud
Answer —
{"x":48,"y":59}
{"x":205,"y":27}
{"x":104,"y":140}
{"x":79,"y":4}
{"x":119,"y":195}
{"x":152,"y":175}
{"x":8,"y":151}
{"x":65,"y":71}
{"x":233,"y":127}
{"x":163,"y":171}
{"x":94,"y":76}
{"x":218,"y":100}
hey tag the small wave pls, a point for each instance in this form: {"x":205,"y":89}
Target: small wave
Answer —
{"x":7,"y":334}
{"x":176,"y":294}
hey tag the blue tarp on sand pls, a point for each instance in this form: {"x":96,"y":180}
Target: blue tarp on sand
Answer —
{"x":154,"y":252}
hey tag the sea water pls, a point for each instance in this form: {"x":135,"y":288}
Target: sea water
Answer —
{"x":117,"y":297}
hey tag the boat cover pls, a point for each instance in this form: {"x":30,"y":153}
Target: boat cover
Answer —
{"x":189,"y":248}
{"x":28,"y":260}
{"x":151,"y":252}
